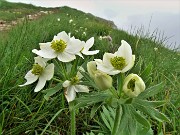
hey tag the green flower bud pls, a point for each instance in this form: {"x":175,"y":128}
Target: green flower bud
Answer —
{"x":133,"y":85}
{"x":102,"y":80}
{"x":91,"y":68}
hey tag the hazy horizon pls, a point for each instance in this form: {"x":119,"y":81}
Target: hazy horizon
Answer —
{"x":163,"y":14}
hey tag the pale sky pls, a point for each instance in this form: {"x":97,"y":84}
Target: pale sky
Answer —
{"x":165,"y":14}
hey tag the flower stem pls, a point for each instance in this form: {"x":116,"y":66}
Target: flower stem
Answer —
{"x":120,"y":80}
{"x":73,"y":120}
{"x":117,"y":120}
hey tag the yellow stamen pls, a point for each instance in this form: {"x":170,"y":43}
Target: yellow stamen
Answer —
{"x":74,"y":80}
{"x":58,"y":45}
{"x":37,"y":69}
{"x":131,"y":84}
{"x":118,"y":62}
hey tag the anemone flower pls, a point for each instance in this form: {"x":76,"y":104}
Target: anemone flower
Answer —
{"x":62,"y":46}
{"x":133,"y":85}
{"x":72,"y":86}
{"x":102,"y":80}
{"x":41,"y":71}
{"x":119,"y":62}
{"x":86,"y":46}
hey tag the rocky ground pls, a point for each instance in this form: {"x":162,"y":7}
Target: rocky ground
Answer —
{"x":6,"y":25}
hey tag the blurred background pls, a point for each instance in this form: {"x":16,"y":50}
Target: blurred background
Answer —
{"x":150,"y":16}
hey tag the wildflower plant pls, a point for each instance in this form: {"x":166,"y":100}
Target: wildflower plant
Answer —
{"x":110,"y":84}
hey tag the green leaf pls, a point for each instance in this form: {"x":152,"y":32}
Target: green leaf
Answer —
{"x":94,"y":109}
{"x":147,"y":103}
{"x":91,"y":98}
{"x":137,"y":68}
{"x":52,"y":91}
{"x":140,"y":118}
{"x":151,"y":91}
{"x":108,"y":116}
{"x":128,"y":123}
{"x":106,"y":122}
{"x":0,"y":129}
{"x":148,"y":81}
{"x":177,"y":102}
{"x":143,"y":131}
{"x":154,"y":113}
{"x":146,"y":72}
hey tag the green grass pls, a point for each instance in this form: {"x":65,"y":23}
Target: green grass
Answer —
{"x":12,"y":11}
{"x":23,"y":111}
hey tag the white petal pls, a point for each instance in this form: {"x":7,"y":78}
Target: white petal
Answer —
{"x":125,"y":51}
{"x":42,"y":45}
{"x":45,"y":53}
{"x":106,"y":59}
{"x":41,"y":83}
{"x":106,"y":69}
{"x":49,"y":71}
{"x":98,"y":61}
{"x":74,"y":46}
{"x":70,"y":94}
{"x":80,"y":55}
{"x":67,"y":83}
{"x":30,"y":78}
{"x":81,"y":88}
{"x":40,"y":61}
{"x":80,"y":76}
{"x":63,"y":36}
{"x":66,"y":57}
{"x":85,"y":52}
{"x":89,"y":43}
{"x":130,"y":65}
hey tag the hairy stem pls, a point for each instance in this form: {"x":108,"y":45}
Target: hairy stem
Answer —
{"x":73,"y":120}
{"x":120,"y":80}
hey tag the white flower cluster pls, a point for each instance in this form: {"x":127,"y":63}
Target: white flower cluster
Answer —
{"x":66,"y":48}
{"x":115,"y":63}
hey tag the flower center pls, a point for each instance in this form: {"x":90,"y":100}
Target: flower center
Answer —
{"x":58,"y":45}
{"x":131,"y":84}
{"x":37,"y":69}
{"x":74,"y":80}
{"x":118,"y":62}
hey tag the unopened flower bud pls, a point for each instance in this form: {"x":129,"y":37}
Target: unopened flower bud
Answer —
{"x":102,"y":80}
{"x":133,"y":85}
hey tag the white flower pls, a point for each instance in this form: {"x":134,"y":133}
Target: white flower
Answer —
{"x":70,"y":21}
{"x":100,"y":38}
{"x":42,"y":71}
{"x":120,"y":61}
{"x":84,"y":33}
{"x":102,"y":80}
{"x":58,"y":19}
{"x":72,"y":86}
{"x":62,"y":46}
{"x":133,"y":85}
{"x":86,"y":46}
{"x":155,"y":48}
